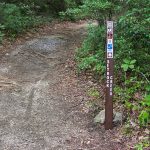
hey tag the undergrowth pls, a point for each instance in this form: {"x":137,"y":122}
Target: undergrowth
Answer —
{"x":15,"y":19}
{"x":132,"y":85}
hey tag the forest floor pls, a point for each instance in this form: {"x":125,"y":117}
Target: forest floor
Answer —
{"x":42,"y":100}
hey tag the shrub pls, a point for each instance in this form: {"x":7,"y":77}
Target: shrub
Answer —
{"x":16,"y":19}
{"x":132,"y":55}
{"x":133,"y":35}
{"x":91,"y":55}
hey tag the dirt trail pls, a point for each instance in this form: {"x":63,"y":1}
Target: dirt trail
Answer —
{"x":41,"y":99}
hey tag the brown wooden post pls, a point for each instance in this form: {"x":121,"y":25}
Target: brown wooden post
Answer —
{"x":109,"y":77}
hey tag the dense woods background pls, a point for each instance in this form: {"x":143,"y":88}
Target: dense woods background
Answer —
{"x":132,"y":37}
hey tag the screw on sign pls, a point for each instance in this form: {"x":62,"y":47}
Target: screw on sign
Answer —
{"x":109,"y":77}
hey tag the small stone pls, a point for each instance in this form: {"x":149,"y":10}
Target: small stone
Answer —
{"x":118,"y":117}
{"x":100,"y":118}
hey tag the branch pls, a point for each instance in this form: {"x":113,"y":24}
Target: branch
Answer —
{"x":145,"y":77}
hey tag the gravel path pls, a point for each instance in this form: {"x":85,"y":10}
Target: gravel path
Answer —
{"x":42,"y":100}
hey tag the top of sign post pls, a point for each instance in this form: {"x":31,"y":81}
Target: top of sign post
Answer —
{"x":109,"y":29}
{"x":110,"y":24}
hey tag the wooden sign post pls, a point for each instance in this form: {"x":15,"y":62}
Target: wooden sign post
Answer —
{"x":109,"y":77}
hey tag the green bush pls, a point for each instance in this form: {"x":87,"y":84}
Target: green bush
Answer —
{"x":133,"y":35}
{"x":16,"y":19}
{"x":132,"y":55}
{"x":144,"y":117}
{"x":71,"y":14}
{"x":91,"y":55}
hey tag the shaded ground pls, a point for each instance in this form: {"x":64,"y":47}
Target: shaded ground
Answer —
{"x":42,"y":100}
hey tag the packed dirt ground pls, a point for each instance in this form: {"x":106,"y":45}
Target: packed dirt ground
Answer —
{"x":42,"y":100}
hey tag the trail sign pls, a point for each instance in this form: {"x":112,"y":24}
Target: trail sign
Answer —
{"x":109,"y":77}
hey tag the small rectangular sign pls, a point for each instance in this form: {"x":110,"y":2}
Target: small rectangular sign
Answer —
{"x":109,"y":55}
{"x":109,"y":46}
{"x":110,"y":41}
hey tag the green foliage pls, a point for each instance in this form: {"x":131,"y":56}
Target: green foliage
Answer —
{"x":143,"y":145}
{"x":90,"y":55}
{"x":133,"y":36}
{"x":146,"y":101}
{"x":17,"y":16}
{"x":126,"y":94}
{"x":128,"y":64}
{"x":139,"y":146}
{"x":93,"y":103}
{"x":95,"y":9}
{"x":16,"y":19}
{"x":73,"y":3}
{"x":131,"y":44}
{"x":94,"y":93}
{"x":71,"y":14}
{"x":144,"y":116}
{"x":1,"y":33}
{"x":43,"y":6}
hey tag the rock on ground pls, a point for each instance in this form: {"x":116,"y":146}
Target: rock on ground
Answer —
{"x":100,"y":118}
